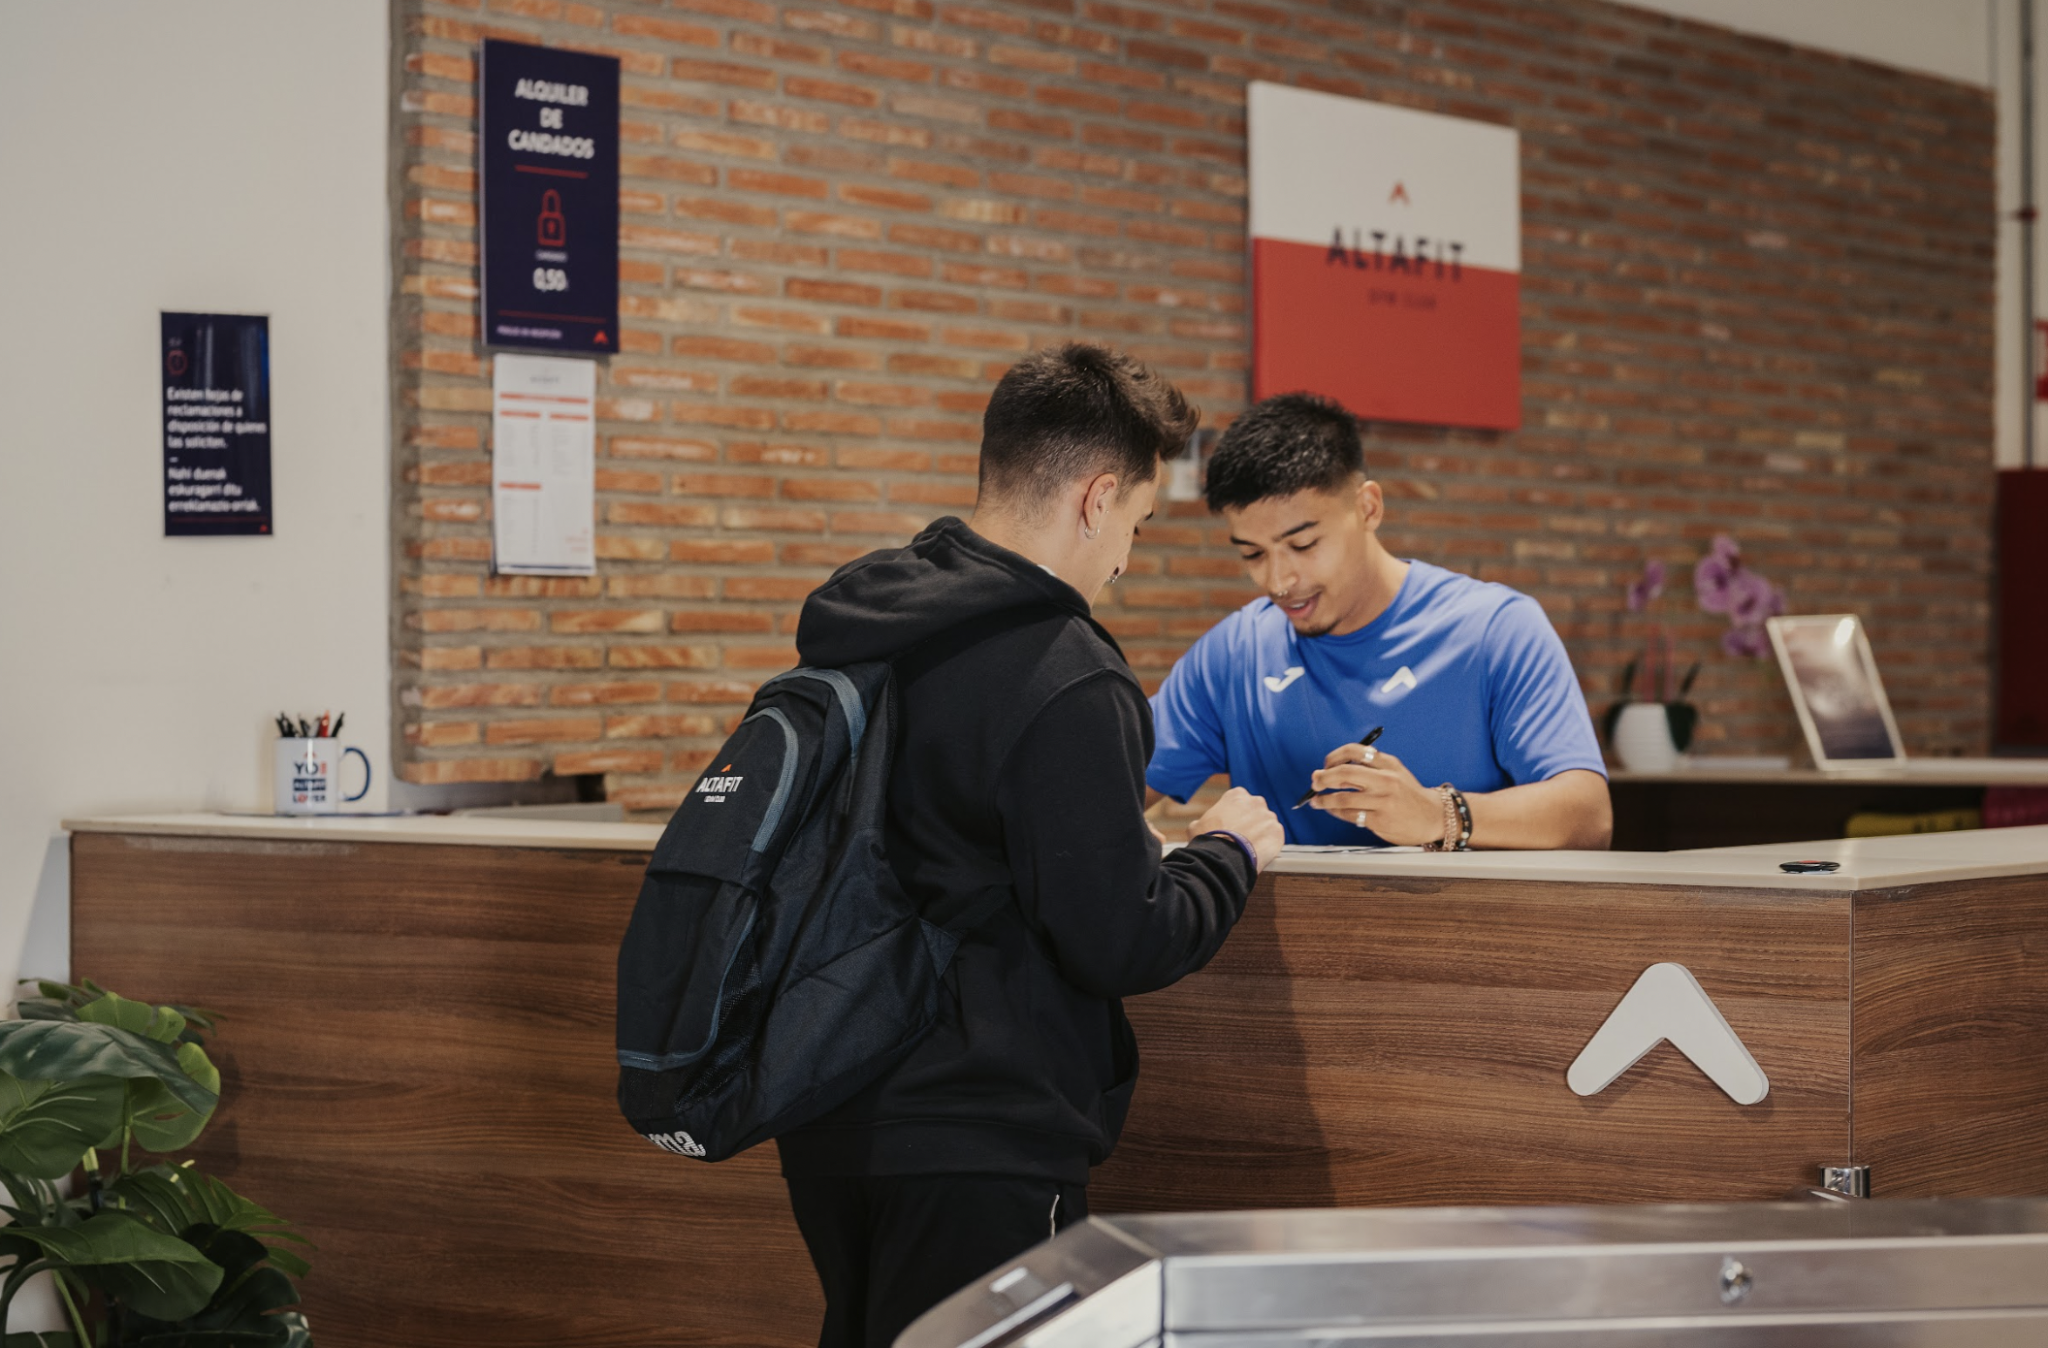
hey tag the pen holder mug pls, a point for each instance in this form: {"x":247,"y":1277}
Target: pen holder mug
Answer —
{"x":306,"y":776}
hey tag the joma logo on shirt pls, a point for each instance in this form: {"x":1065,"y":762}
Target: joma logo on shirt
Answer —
{"x":1277,"y":683}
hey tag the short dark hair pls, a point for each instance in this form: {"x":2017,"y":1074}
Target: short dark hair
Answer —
{"x":1073,"y":410}
{"x":1290,"y":442}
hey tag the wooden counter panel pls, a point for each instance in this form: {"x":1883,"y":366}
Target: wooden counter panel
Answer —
{"x":1425,"y":1030}
{"x":1951,"y":1038}
{"x":417,"y":1052}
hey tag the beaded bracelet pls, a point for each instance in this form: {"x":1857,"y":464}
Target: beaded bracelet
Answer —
{"x":1457,"y":822}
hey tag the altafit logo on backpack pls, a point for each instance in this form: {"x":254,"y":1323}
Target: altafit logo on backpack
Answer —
{"x":716,"y":789}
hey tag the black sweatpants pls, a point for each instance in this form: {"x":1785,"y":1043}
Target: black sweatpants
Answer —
{"x":890,"y":1248}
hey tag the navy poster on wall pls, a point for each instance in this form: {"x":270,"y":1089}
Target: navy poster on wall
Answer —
{"x":216,"y":424}
{"x":550,"y":192}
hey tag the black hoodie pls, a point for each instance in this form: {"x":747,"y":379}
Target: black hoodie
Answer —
{"x":1021,"y":767}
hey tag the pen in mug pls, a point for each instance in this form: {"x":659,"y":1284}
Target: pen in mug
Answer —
{"x":1364,"y":741}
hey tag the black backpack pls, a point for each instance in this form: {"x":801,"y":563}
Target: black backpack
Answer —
{"x":774,"y":965}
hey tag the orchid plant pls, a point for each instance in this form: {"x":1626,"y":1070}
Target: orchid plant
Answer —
{"x":1722,"y":585}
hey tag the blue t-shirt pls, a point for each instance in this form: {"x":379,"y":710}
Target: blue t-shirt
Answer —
{"x":1469,"y":679}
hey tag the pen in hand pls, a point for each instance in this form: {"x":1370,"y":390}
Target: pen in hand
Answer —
{"x":1364,"y":741}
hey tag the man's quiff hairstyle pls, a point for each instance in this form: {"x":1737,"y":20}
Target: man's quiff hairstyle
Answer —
{"x":1071,"y":412}
{"x":1289,"y":443}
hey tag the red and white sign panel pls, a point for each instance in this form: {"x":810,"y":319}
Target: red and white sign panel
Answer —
{"x":1386,"y":258}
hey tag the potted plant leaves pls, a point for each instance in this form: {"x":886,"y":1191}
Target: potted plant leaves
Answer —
{"x":141,"y":1252}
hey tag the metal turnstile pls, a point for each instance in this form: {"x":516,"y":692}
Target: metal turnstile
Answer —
{"x":1895,"y":1274}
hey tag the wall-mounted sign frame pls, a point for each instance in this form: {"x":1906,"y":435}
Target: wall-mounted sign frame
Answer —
{"x":548,"y":181}
{"x":216,"y":424}
{"x":1386,"y":258}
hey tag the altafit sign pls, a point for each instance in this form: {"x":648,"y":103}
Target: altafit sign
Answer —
{"x":1386,"y":258}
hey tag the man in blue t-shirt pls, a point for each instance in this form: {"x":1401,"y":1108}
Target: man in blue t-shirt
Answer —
{"x":1486,"y":740}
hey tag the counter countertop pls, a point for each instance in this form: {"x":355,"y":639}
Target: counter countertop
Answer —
{"x":1866,"y":863}
{"x":1913,"y":772}
{"x":445,"y":829}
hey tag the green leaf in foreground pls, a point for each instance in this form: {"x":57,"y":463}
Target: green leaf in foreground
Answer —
{"x":159,"y":1275}
{"x":244,"y":1308}
{"x":163,"y":1121}
{"x":46,"y":1126}
{"x":56,"y":1050}
{"x":177,"y":1198}
{"x":64,"y":1001}
{"x":162,"y":1024}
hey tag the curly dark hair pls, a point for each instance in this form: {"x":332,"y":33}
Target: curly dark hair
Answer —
{"x":1073,"y":410}
{"x":1290,"y":442}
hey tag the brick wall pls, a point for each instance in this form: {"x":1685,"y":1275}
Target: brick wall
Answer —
{"x":1757,"y":289}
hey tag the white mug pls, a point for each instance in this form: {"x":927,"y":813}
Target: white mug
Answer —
{"x":306,"y":775}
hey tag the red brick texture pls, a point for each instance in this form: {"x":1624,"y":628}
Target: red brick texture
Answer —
{"x":1757,"y":290}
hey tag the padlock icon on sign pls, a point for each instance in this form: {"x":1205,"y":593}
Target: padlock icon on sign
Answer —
{"x":554,"y":227}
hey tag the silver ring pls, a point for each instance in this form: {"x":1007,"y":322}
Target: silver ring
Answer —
{"x":1359,"y":819}
{"x":1370,"y":754}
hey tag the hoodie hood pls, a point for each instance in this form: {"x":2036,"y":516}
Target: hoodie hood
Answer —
{"x":880,"y":605}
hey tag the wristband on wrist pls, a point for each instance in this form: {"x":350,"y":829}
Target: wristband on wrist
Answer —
{"x":1464,"y":843}
{"x":1457,"y":835}
{"x":1251,"y":853}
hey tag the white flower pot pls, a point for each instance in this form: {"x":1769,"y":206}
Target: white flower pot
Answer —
{"x":1642,"y":736}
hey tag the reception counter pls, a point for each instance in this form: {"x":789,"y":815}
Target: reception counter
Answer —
{"x":416,"y":1044}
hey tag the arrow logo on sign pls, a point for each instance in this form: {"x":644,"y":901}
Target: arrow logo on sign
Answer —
{"x":1667,"y":1002}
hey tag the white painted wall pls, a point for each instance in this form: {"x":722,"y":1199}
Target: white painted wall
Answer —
{"x":137,"y":671}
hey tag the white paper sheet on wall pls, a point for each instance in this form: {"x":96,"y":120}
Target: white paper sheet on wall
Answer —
{"x":543,"y":465}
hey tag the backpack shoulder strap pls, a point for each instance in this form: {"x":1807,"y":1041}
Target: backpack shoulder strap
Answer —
{"x":850,"y":703}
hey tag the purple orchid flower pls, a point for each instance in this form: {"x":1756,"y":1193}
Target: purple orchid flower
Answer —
{"x":1647,"y":587}
{"x":1751,"y":599}
{"x":1747,"y":642}
{"x":1713,"y":580}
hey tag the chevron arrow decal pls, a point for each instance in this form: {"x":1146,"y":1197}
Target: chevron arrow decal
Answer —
{"x":1667,"y":1002}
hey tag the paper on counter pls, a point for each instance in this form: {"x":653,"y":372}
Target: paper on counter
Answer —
{"x":543,"y":466}
{"x":1328,"y":849}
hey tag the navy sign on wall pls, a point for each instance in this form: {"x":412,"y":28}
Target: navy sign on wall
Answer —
{"x":216,"y":424}
{"x":550,"y":190}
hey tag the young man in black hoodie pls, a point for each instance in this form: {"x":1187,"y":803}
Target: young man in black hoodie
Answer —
{"x":1020,"y":778}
